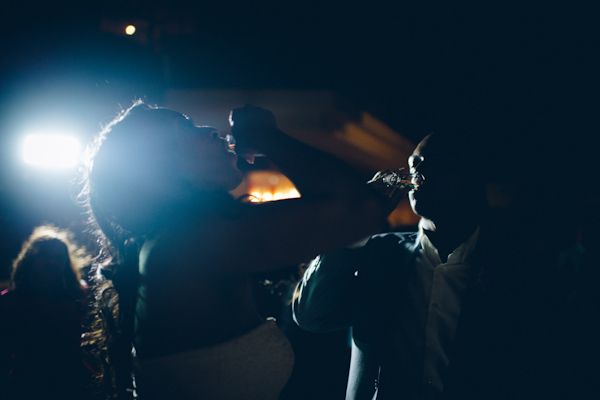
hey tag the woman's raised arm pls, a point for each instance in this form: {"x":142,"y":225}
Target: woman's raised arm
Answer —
{"x":336,"y":206}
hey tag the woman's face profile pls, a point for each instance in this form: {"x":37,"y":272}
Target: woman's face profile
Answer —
{"x":205,"y":158}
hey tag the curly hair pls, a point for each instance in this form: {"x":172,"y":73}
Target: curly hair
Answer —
{"x":131,"y":179}
{"x":119,"y":167}
{"x":37,"y":246}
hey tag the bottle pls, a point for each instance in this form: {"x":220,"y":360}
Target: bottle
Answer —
{"x":228,"y":137}
{"x":399,"y":178}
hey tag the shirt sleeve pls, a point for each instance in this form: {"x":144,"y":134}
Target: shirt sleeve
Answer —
{"x":323,"y":300}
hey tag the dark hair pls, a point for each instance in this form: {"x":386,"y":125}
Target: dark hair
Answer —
{"x":129,"y":169}
{"x":36,"y":246}
{"x":130,"y":154}
{"x":130,"y":184}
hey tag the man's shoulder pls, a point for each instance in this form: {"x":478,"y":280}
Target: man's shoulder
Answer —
{"x":390,"y":248}
{"x":395,"y":237}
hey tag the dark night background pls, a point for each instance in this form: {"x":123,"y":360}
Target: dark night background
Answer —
{"x":521,"y":76}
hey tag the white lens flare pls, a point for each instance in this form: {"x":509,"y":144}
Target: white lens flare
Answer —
{"x":51,"y":151}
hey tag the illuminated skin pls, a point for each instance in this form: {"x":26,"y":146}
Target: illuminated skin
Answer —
{"x":205,"y":158}
{"x":201,"y":257}
{"x":446,"y":200}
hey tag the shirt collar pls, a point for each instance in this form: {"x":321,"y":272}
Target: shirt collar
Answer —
{"x":459,"y":256}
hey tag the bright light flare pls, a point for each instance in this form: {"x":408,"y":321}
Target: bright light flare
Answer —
{"x":52,"y":151}
{"x":260,"y":197}
{"x":130,"y":30}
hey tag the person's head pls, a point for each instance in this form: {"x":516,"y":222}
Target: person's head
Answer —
{"x":454,"y":184}
{"x":148,"y":160}
{"x":49,"y":261}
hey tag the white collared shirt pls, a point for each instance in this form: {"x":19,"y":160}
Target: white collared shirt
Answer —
{"x":431,"y":309}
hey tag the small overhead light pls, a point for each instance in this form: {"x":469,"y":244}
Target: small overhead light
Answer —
{"x":130,"y":30}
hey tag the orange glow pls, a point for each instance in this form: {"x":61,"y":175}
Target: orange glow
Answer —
{"x":260,"y":197}
{"x":263,"y":186}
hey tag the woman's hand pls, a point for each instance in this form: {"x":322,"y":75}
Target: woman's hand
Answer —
{"x":251,"y":126}
{"x":251,"y":116}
